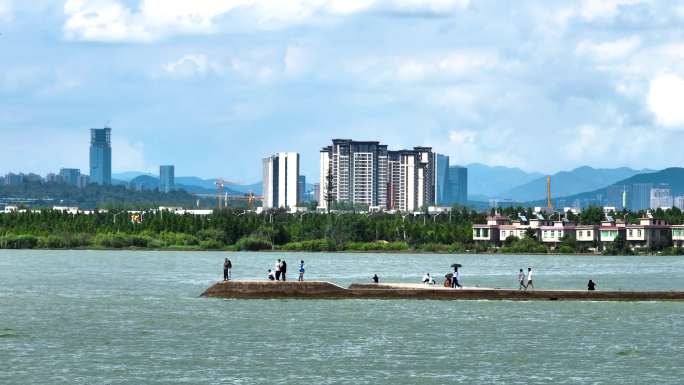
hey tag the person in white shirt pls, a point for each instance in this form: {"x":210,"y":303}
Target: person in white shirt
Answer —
{"x":455,"y":280}
{"x":277,"y":270}
{"x":529,"y":278}
{"x":521,"y":280}
{"x":426,"y":278}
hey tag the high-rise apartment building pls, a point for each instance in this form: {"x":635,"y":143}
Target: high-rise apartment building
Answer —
{"x":458,"y":185}
{"x":441,"y":180}
{"x":83,"y":180}
{"x":661,"y":197}
{"x":281,"y":180}
{"x":366,"y":173}
{"x":70,"y":176}
{"x":101,"y":156}
{"x":167,"y":178}
{"x":355,"y":170}
{"x":301,"y":189}
{"x":640,"y":198}
{"x":679,"y":202}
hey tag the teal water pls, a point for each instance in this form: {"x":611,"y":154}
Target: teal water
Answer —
{"x":129,"y":317}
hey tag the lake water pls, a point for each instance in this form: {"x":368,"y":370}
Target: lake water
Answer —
{"x":130,"y":317}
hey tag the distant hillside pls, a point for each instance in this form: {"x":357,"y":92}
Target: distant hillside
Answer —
{"x":146,"y":182}
{"x":572,"y":182}
{"x":673,"y":177}
{"x":127,"y":176}
{"x":489,"y":182}
{"x":49,"y":194}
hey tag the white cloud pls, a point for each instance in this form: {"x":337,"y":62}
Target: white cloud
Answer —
{"x":432,"y":5}
{"x":665,"y":97}
{"x":5,"y":10}
{"x":595,"y":9}
{"x":111,"y":20}
{"x":296,"y":60}
{"x":193,"y":65}
{"x":462,"y":137}
{"x":455,"y":65}
{"x":610,"y":50}
{"x":127,"y":155}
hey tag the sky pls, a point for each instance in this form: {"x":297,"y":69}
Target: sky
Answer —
{"x":214,"y":86}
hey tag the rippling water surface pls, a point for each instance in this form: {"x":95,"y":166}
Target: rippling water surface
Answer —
{"x":129,"y":317}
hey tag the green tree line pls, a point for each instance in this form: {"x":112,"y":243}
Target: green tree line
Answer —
{"x":242,"y":230}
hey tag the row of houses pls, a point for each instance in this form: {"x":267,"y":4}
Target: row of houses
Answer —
{"x":649,"y":233}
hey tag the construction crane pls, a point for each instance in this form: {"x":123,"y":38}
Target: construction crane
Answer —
{"x":548,"y":192}
{"x":222,"y":196}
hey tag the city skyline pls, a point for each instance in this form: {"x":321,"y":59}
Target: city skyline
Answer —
{"x":479,"y":81}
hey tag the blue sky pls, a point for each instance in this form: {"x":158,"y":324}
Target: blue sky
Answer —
{"x":213,"y":86}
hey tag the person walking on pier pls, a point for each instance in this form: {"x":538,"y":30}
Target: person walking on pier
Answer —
{"x":455,"y":280}
{"x":529,"y":278}
{"x":227,"y":265}
{"x":301,"y":271}
{"x":283,"y":269}
{"x":277,"y":270}
{"x":521,"y":280}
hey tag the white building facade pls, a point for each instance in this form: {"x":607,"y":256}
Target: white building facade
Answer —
{"x":280,"y":180}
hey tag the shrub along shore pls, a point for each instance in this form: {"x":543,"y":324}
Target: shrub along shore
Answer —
{"x":235,"y":229}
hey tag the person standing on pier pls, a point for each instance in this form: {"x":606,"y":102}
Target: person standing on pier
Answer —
{"x":301,"y":271}
{"x":227,"y":265}
{"x":375,"y":278}
{"x":277,"y":270}
{"x":455,"y":280}
{"x":529,"y":278}
{"x":521,"y":280}
{"x":283,"y":269}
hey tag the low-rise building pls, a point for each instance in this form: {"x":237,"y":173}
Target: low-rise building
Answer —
{"x":648,"y":234}
{"x":556,"y":232}
{"x":586,"y":233}
{"x":609,"y":230}
{"x":489,"y":232}
{"x":677,"y":235}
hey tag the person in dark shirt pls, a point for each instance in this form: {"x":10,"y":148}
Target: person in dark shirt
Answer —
{"x":591,"y":286}
{"x":283,"y":269}
{"x":376,"y":279}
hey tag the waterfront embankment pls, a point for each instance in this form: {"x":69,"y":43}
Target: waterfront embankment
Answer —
{"x":329,"y":290}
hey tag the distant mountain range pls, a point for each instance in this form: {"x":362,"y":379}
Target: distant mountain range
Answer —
{"x":672,"y":177}
{"x":514,"y":184}
{"x":486,"y":182}
{"x":191,"y":184}
{"x":572,"y":182}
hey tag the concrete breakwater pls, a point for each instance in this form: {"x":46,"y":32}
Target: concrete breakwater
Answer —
{"x":328,"y":290}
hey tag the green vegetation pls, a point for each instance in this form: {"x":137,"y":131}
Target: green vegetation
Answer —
{"x":235,"y":229}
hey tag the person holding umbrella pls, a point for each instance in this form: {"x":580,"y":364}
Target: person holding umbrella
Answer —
{"x":456,"y":277}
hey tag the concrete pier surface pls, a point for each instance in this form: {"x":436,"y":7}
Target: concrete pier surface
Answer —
{"x":328,"y":290}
